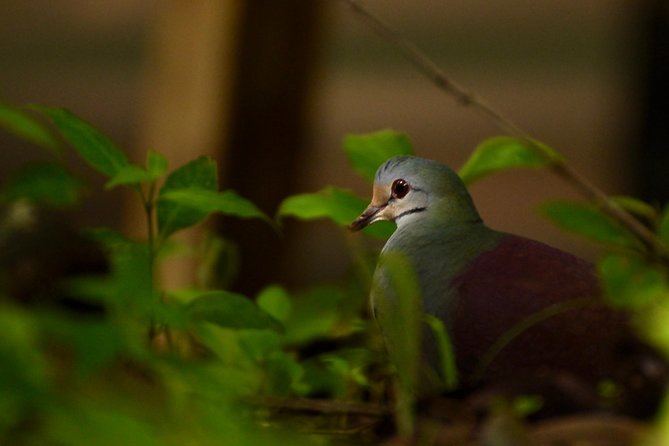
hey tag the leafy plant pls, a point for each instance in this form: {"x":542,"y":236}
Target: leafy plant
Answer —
{"x":202,"y":351}
{"x":193,"y":353}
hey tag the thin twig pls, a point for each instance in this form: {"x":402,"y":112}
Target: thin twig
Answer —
{"x":330,"y":407}
{"x":441,"y":80}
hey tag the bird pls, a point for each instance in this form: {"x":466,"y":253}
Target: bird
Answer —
{"x":484,"y":284}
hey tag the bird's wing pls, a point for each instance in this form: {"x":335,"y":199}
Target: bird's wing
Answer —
{"x":537,"y":306}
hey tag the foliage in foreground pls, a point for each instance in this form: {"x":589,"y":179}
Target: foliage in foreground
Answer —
{"x":208,"y":366}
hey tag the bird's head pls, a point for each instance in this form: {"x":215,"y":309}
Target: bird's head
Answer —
{"x":407,"y":188}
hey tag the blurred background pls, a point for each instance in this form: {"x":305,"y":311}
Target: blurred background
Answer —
{"x":269,"y":88}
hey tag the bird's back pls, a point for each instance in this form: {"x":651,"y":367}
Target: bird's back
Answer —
{"x":538,"y":308}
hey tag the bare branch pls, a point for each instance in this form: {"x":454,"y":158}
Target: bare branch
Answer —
{"x":441,"y":80}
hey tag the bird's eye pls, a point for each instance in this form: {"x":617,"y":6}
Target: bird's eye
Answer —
{"x":400,"y":188}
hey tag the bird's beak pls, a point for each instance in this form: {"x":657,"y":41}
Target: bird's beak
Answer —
{"x":374,"y":211}
{"x":368,"y":216}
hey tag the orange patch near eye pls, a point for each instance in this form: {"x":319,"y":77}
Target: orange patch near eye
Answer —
{"x":380,"y":195}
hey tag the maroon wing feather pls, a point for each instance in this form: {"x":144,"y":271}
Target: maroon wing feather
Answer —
{"x":517,"y":279}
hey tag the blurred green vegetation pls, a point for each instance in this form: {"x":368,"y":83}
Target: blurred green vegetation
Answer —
{"x":107,"y":355}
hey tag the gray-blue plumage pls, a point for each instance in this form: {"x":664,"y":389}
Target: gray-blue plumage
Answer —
{"x":482,"y":283}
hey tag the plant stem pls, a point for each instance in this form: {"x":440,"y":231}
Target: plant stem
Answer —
{"x":441,"y":80}
{"x":329,"y":407}
{"x":148,"y":201}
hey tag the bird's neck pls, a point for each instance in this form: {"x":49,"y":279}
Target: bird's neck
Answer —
{"x":455,"y":214}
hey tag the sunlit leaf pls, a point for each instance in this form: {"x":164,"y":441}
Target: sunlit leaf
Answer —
{"x":503,"y":153}
{"x":637,"y":207}
{"x":275,"y":301}
{"x":449,"y":370}
{"x":96,"y":149}
{"x":631,"y":282}
{"x":399,"y":312}
{"x":24,"y":126}
{"x":367,"y":152}
{"x":24,"y":369}
{"x":200,"y":173}
{"x":156,"y":163}
{"x":259,"y":344}
{"x":156,"y":166}
{"x":45,"y":183}
{"x":587,"y":221}
{"x":206,"y":202}
{"x":314,"y":314}
{"x":130,"y":174}
{"x":230,"y":310}
{"x":339,"y":205}
{"x":655,"y":326}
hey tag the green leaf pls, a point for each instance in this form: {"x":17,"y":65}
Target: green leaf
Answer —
{"x":156,"y":166}
{"x":96,"y":149}
{"x":503,"y":153}
{"x":276,"y":302}
{"x":449,"y":370}
{"x":654,"y":325}
{"x":200,"y":173}
{"x":230,"y":310}
{"x":367,"y":152}
{"x":45,"y":183}
{"x":339,"y":205}
{"x":631,"y":282}
{"x":95,"y":343}
{"x":130,"y":174}
{"x":24,"y":126}
{"x":400,"y":315}
{"x":209,"y":201}
{"x":320,"y":312}
{"x":24,"y":369}
{"x":587,"y":221}
{"x":636,"y":207}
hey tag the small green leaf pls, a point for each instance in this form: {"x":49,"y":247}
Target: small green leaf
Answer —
{"x":589,"y":222}
{"x":24,"y":126}
{"x":504,"y":152}
{"x":316,"y":314}
{"x":45,"y":183}
{"x":209,"y":201}
{"x":128,"y":175}
{"x":449,"y":370}
{"x":24,"y":368}
{"x":654,"y":325}
{"x":636,"y":207}
{"x":96,"y":149}
{"x":526,"y":405}
{"x":399,"y":312}
{"x":631,"y":282}
{"x":339,"y":205}
{"x":230,"y":310}
{"x":276,"y":302}
{"x":156,"y":164}
{"x":200,"y":173}
{"x":367,"y":152}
